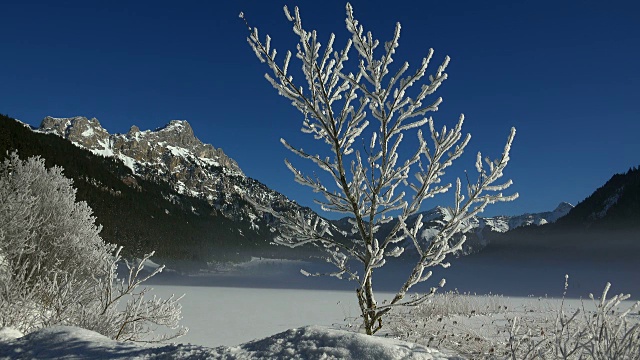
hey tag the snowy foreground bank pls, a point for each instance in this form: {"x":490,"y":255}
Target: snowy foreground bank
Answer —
{"x":311,"y":342}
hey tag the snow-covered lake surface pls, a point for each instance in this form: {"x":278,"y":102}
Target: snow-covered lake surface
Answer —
{"x":267,"y":309}
{"x":240,"y":303}
{"x":230,"y":316}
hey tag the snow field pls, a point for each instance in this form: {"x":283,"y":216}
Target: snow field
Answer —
{"x":230,"y":316}
{"x":275,"y":313}
{"x":312,"y":342}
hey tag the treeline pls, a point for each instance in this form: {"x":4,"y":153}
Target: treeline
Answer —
{"x":613,"y":206}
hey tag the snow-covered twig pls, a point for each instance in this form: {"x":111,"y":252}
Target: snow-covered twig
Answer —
{"x":376,"y":184}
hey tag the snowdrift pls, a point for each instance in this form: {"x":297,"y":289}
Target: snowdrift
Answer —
{"x":311,"y":342}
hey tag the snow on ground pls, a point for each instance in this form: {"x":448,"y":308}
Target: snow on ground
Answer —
{"x":265,"y":296}
{"x":312,"y":342}
{"x":7,"y":334}
{"x":230,"y":316}
{"x":243,"y":314}
{"x":236,"y":304}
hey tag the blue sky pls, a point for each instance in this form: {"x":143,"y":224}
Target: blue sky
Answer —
{"x":564,"y":73}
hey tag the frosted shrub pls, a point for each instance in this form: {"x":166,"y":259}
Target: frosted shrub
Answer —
{"x":55,"y":269}
{"x":453,"y":303}
{"x":366,"y":175}
{"x":444,"y":320}
{"x":606,"y":333}
{"x":483,"y":327}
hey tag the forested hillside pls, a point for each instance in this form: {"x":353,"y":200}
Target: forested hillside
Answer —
{"x":606,"y":224}
{"x":139,"y":214}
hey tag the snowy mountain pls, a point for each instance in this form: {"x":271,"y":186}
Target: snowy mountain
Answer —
{"x":175,"y":155}
{"x":502,"y":224}
{"x":483,"y":229}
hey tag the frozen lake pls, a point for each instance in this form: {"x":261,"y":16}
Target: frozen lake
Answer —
{"x":258,"y":299}
{"x":230,"y":316}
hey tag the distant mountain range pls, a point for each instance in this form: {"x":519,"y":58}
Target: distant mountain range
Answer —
{"x":606,"y":224}
{"x":483,"y":229}
{"x":173,"y":154}
{"x":153,"y":189}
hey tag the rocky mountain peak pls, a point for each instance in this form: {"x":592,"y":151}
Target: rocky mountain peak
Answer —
{"x":134,"y":130}
{"x":178,"y":133}
{"x":87,"y":133}
{"x":171,"y":153}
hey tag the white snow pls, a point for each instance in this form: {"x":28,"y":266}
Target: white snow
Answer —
{"x":7,"y":334}
{"x":312,"y":342}
{"x":105,"y":149}
{"x":25,"y":124}
{"x":128,"y":162}
{"x":88,"y":132}
{"x":238,"y":303}
{"x":178,"y":151}
{"x":429,"y":233}
{"x":180,"y":187}
{"x":175,"y":124}
{"x":210,"y":162}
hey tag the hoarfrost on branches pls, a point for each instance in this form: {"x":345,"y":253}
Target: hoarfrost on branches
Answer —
{"x":374,"y":182}
{"x":55,"y":269}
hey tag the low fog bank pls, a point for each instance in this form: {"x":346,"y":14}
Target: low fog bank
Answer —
{"x":593,"y":244}
{"x":508,"y":271}
{"x":541,"y":274}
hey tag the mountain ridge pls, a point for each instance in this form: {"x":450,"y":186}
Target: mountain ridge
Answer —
{"x":174,"y":154}
{"x":605,"y":224}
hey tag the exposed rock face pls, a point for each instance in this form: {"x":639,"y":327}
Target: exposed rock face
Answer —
{"x":173,"y":154}
{"x":79,"y":130}
{"x":176,"y":138}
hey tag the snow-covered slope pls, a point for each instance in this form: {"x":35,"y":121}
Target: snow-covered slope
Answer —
{"x":311,"y":342}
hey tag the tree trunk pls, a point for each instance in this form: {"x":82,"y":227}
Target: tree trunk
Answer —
{"x":367,"y":306}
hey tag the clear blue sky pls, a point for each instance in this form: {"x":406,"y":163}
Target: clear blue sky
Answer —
{"x":564,"y":73}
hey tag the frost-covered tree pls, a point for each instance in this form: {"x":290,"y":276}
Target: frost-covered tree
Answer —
{"x":55,"y":269}
{"x":370,"y":178}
